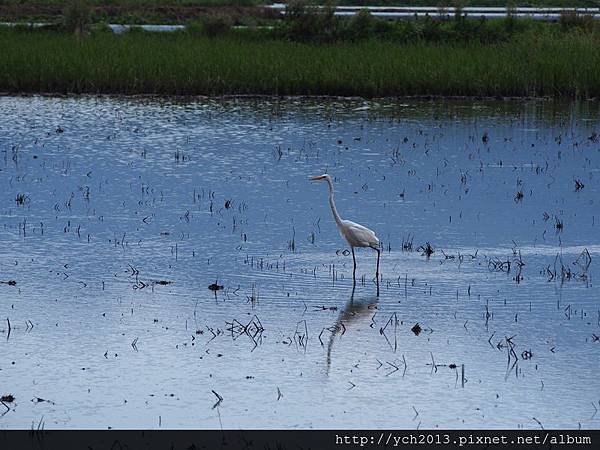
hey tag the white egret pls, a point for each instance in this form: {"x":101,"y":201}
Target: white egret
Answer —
{"x":354,"y":233}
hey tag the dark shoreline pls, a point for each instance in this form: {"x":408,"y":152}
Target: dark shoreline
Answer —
{"x":137,"y":14}
{"x":172,"y":12}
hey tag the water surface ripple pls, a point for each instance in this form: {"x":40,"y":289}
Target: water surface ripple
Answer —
{"x":117,"y":214}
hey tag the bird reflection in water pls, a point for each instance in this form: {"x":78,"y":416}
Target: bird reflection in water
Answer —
{"x":355,"y":311}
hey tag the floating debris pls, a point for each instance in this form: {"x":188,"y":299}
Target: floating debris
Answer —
{"x":416,"y":329}
{"x":42,"y":400}
{"x":426,"y":250}
{"x":526,"y":354}
{"x":407,"y":244}
{"x":497,"y":265}
{"x":21,"y":199}
{"x":219,"y":399}
{"x":253,"y":329}
{"x":8,"y":398}
{"x":558,"y":224}
{"x":519,"y":196}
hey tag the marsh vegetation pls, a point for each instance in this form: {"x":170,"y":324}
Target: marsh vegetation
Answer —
{"x":464,"y":58}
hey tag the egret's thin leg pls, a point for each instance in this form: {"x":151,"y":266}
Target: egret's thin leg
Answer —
{"x":354,"y":268}
{"x":377,"y":269}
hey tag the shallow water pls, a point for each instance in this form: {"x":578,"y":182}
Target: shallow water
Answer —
{"x":117,"y":214}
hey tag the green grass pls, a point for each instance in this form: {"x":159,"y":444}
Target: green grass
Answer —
{"x":552,"y":63}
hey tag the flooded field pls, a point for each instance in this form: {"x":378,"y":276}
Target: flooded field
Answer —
{"x":116,"y":215}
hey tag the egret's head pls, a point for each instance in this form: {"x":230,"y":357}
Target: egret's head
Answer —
{"x":319,"y":177}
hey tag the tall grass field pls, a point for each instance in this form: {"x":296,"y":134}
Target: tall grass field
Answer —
{"x":564,"y":64}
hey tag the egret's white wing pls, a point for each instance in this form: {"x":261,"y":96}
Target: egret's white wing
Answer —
{"x":359,"y":236}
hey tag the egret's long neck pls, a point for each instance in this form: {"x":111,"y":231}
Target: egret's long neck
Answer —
{"x":336,"y":216}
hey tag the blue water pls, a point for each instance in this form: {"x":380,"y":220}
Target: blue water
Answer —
{"x":116,"y":215}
